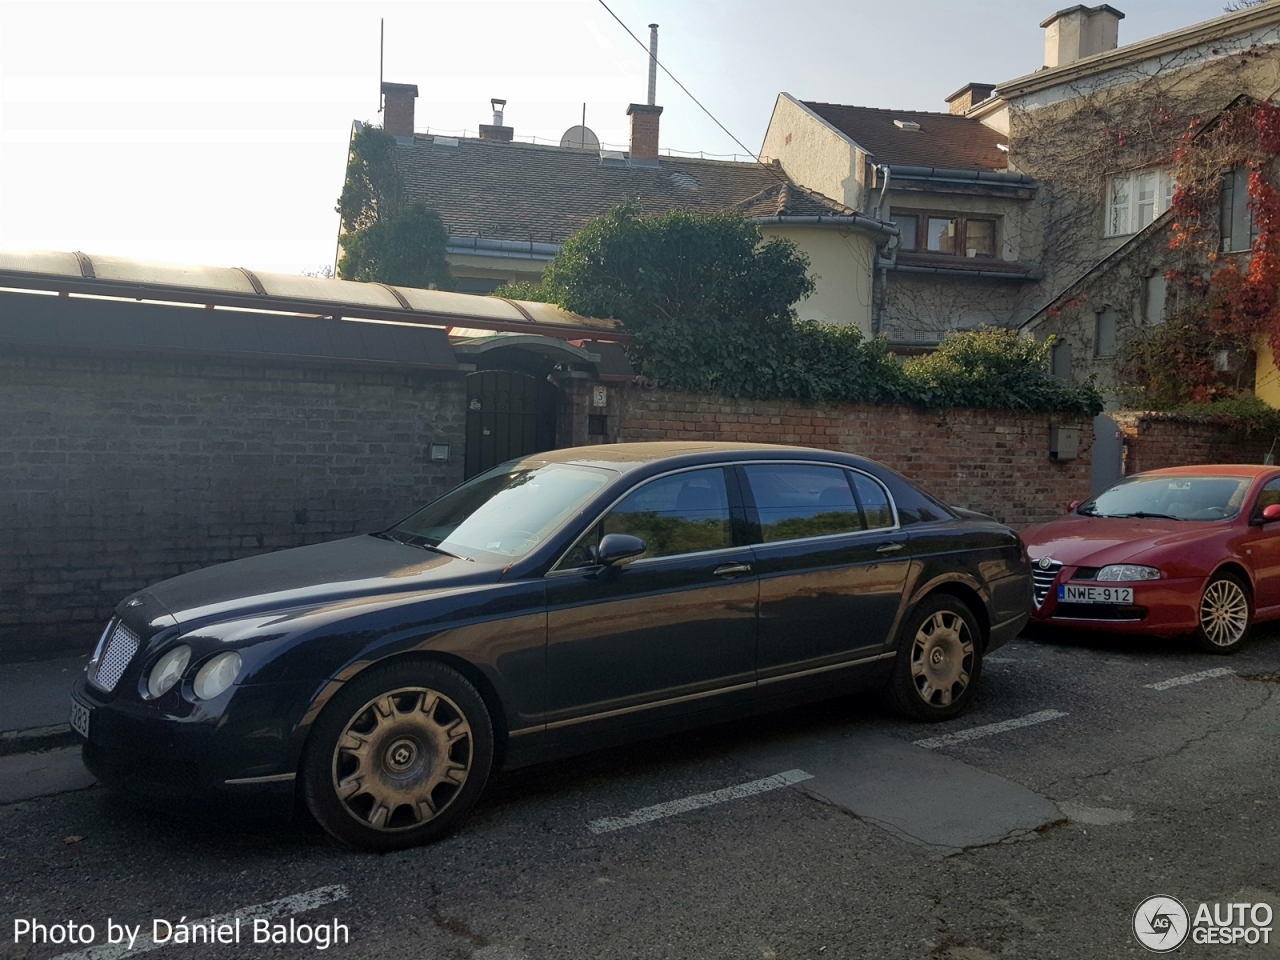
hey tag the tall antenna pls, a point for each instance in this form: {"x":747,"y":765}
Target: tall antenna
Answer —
{"x":382,"y":45}
{"x":584,"y":126}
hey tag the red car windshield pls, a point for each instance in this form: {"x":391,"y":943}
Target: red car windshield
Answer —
{"x":1171,"y":497}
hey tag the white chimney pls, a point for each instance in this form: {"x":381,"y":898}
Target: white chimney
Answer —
{"x":653,"y":64}
{"x":1080,"y":31}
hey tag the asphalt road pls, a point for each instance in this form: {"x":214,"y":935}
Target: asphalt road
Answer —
{"x":1032,"y":841}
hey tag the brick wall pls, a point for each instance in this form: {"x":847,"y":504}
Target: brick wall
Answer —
{"x":993,"y":461}
{"x":115,"y":473}
{"x":1155,"y":440}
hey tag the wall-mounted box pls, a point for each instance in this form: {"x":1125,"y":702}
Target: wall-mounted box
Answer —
{"x":1064,"y":442}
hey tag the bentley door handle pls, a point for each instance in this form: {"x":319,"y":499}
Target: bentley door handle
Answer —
{"x":889,"y":548}
{"x":731,"y":569}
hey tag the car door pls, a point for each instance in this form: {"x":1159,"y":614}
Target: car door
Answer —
{"x":832,"y":563}
{"x":1263,"y":546}
{"x":667,"y":630}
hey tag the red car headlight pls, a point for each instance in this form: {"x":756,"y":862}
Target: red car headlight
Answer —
{"x":1128,"y":572}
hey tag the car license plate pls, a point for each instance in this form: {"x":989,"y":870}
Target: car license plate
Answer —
{"x":1070,"y":593}
{"x":80,"y":719}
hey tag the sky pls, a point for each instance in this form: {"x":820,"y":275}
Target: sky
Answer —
{"x":216,"y":132}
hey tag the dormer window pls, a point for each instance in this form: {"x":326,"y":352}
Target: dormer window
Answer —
{"x":1135,"y":199}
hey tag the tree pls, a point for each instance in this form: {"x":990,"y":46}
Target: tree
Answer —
{"x":384,"y":238}
{"x":710,"y":303}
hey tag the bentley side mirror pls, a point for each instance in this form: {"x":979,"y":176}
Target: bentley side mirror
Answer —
{"x":617,"y":548}
{"x":1270,"y":513}
{"x":1073,"y":505}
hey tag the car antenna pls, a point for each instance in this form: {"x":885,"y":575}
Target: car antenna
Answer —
{"x":1269,"y":460}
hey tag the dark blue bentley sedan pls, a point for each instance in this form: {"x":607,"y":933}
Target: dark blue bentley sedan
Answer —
{"x":570,"y":600}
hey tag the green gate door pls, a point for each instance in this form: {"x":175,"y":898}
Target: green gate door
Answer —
{"x":509,"y":415}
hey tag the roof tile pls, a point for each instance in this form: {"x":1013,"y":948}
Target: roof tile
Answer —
{"x":943,"y":140}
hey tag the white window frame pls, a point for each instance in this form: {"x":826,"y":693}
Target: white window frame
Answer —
{"x":1129,"y":205}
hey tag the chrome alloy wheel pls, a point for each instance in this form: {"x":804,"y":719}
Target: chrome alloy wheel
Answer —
{"x":402,"y":759}
{"x":942,"y":656}
{"x":1224,"y":612}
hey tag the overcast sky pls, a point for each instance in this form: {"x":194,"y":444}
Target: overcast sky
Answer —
{"x":216,"y":132}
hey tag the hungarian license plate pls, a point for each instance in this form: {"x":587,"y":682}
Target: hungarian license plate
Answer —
{"x":1070,"y":593}
{"x":80,"y":719}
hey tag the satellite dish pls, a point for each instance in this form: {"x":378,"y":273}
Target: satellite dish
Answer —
{"x":581,"y":138}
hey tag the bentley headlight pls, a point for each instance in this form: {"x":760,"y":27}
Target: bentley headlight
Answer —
{"x":216,"y":675}
{"x":1128,"y":571}
{"x":168,"y":671}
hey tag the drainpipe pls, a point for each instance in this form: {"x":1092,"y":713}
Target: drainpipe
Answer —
{"x":891,"y":248}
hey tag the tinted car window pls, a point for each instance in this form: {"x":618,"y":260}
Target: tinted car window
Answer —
{"x":874,"y":501}
{"x":682,"y":513}
{"x":798,"y":500}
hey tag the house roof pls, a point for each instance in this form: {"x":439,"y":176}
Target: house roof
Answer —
{"x":943,"y":140}
{"x":518,"y":191}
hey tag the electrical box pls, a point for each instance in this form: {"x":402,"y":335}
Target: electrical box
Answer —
{"x":1064,"y":443}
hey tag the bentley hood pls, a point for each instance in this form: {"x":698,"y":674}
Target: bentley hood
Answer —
{"x":321,"y":573}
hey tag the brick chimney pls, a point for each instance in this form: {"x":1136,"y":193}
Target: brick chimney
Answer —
{"x":968,"y":95}
{"x":397,"y":108}
{"x":497,"y":130}
{"x":1080,"y":31}
{"x":644,"y":130}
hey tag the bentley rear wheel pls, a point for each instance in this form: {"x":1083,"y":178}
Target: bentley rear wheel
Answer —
{"x":939,"y":660}
{"x":399,"y":757}
{"x":1225,"y":615}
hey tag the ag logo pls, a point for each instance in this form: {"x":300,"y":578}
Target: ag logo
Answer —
{"x":1161,"y":924}
{"x":1046,"y":563}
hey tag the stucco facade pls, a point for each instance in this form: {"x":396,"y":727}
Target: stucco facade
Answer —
{"x":841,"y":262}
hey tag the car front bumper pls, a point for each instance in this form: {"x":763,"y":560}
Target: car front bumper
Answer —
{"x":1162,"y":608}
{"x":247,"y":753}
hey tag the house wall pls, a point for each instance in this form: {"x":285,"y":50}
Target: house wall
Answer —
{"x":814,"y":155}
{"x":993,"y":461}
{"x":841,"y":262}
{"x":1120,"y":284}
{"x":922,"y":308}
{"x":118,"y":472}
{"x":1266,"y":385}
{"x":494,"y":271}
{"x":1017,"y":228}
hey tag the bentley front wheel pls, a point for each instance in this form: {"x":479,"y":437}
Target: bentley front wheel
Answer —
{"x":399,"y":757}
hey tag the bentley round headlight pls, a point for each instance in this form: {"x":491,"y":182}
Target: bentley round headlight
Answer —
{"x":168,"y":671}
{"x":216,"y":675}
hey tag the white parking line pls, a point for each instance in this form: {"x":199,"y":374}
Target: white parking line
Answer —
{"x":671,"y":808}
{"x":1190,"y":678}
{"x":284,"y":907}
{"x":974,"y":733}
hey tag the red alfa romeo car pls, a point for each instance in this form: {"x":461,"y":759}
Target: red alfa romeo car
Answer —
{"x":1187,"y":550}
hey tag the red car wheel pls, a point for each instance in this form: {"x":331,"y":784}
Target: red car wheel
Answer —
{"x":1225,"y":615}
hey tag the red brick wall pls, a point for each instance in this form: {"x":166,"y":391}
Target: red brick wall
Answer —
{"x":1153,"y":441}
{"x":993,"y":461}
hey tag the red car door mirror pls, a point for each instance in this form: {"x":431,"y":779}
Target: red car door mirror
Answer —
{"x":1071,"y":507}
{"x":1271,"y":513}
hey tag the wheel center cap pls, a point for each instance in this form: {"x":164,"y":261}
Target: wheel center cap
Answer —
{"x":937,"y":656}
{"x":401,"y":754}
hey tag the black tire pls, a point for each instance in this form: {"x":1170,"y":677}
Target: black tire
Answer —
{"x":1226,"y":614}
{"x":399,"y":757}
{"x":939,"y":660}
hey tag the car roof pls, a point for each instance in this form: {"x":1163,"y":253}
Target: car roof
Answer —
{"x":626,"y":457}
{"x":1214,"y":470}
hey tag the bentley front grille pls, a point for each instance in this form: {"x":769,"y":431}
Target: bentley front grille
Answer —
{"x":114,"y":655}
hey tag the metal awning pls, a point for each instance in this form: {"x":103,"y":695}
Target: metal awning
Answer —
{"x":237,"y":287}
